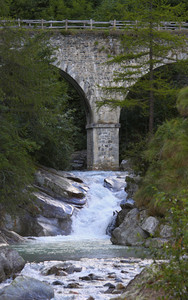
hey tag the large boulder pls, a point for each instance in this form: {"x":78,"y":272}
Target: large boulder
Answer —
{"x":129,"y":233}
{"x":57,"y":185}
{"x":53,"y":208}
{"x":26,"y":288}
{"x":150,"y":225}
{"x":140,"y":288}
{"x":10,"y":237}
{"x":50,"y":227}
{"x":115,"y":184}
{"x":10,"y":263}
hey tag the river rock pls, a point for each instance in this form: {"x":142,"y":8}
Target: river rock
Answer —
{"x":11,"y":237}
{"x":59,"y":268}
{"x":132,"y":185}
{"x":129,"y":233}
{"x":112,"y":224}
{"x":53,"y":208}
{"x":150,"y":225}
{"x":128,"y":203}
{"x":115,"y":184}
{"x":51,"y":226}
{"x":138,"y":287}
{"x":26,"y":288}
{"x":91,"y":277}
{"x":121,"y":216}
{"x":57,"y":185}
{"x":10,"y":263}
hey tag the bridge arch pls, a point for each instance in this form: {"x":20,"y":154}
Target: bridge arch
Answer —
{"x":82,"y":59}
{"x":81,"y":93}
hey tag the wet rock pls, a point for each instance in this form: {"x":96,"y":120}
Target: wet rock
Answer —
{"x":73,"y":285}
{"x":58,"y":185}
{"x":150,"y":225}
{"x":129,"y":233}
{"x":10,"y":237}
{"x":110,"y":285}
{"x":90,"y":277}
{"x":112,"y":225}
{"x":118,"y":280}
{"x":10,"y":263}
{"x":26,"y":288}
{"x":115,"y":184}
{"x":138,"y":287}
{"x":128,"y":203}
{"x":57,"y":282}
{"x":90,"y":298}
{"x":109,"y":290}
{"x":51,"y":226}
{"x":52,"y":208}
{"x":121,"y":216}
{"x":61,"y":269}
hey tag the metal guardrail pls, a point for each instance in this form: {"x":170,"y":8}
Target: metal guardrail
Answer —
{"x":87,"y":24}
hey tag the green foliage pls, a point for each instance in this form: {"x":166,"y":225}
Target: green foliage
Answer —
{"x":112,"y":9}
{"x":134,"y":121}
{"x":51,"y":9}
{"x":78,"y":9}
{"x":167,"y":155}
{"x":16,"y":167}
{"x":173,"y":275}
{"x":182,"y":102}
{"x":5,"y":8}
{"x":144,"y":49}
{"x":36,"y":125}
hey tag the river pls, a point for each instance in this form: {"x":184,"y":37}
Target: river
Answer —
{"x":88,"y":247}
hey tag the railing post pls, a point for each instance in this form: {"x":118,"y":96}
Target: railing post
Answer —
{"x":180,"y":27}
{"x":18,"y":22}
{"x":42,"y":24}
{"x":91,"y":24}
{"x":114,"y":24}
{"x":66,"y":24}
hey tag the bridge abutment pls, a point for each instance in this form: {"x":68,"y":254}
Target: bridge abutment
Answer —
{"x":103,"y":146}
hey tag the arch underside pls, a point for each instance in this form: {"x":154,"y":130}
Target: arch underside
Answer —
{"x":81,"y":93}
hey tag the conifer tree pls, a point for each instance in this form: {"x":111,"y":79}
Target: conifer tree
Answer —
{"x":34,"y":125}
{"x":147,"y":45}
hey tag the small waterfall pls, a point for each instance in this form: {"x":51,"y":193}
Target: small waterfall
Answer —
{"x":92,"y":220}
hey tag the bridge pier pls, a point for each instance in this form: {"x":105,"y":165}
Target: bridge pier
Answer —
{"x":103,"y":146}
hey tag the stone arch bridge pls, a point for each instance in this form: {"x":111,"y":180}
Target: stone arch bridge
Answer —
{"x":81,"y":58}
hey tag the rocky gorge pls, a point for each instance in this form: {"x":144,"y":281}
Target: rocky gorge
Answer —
{"x":58,"y":198}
